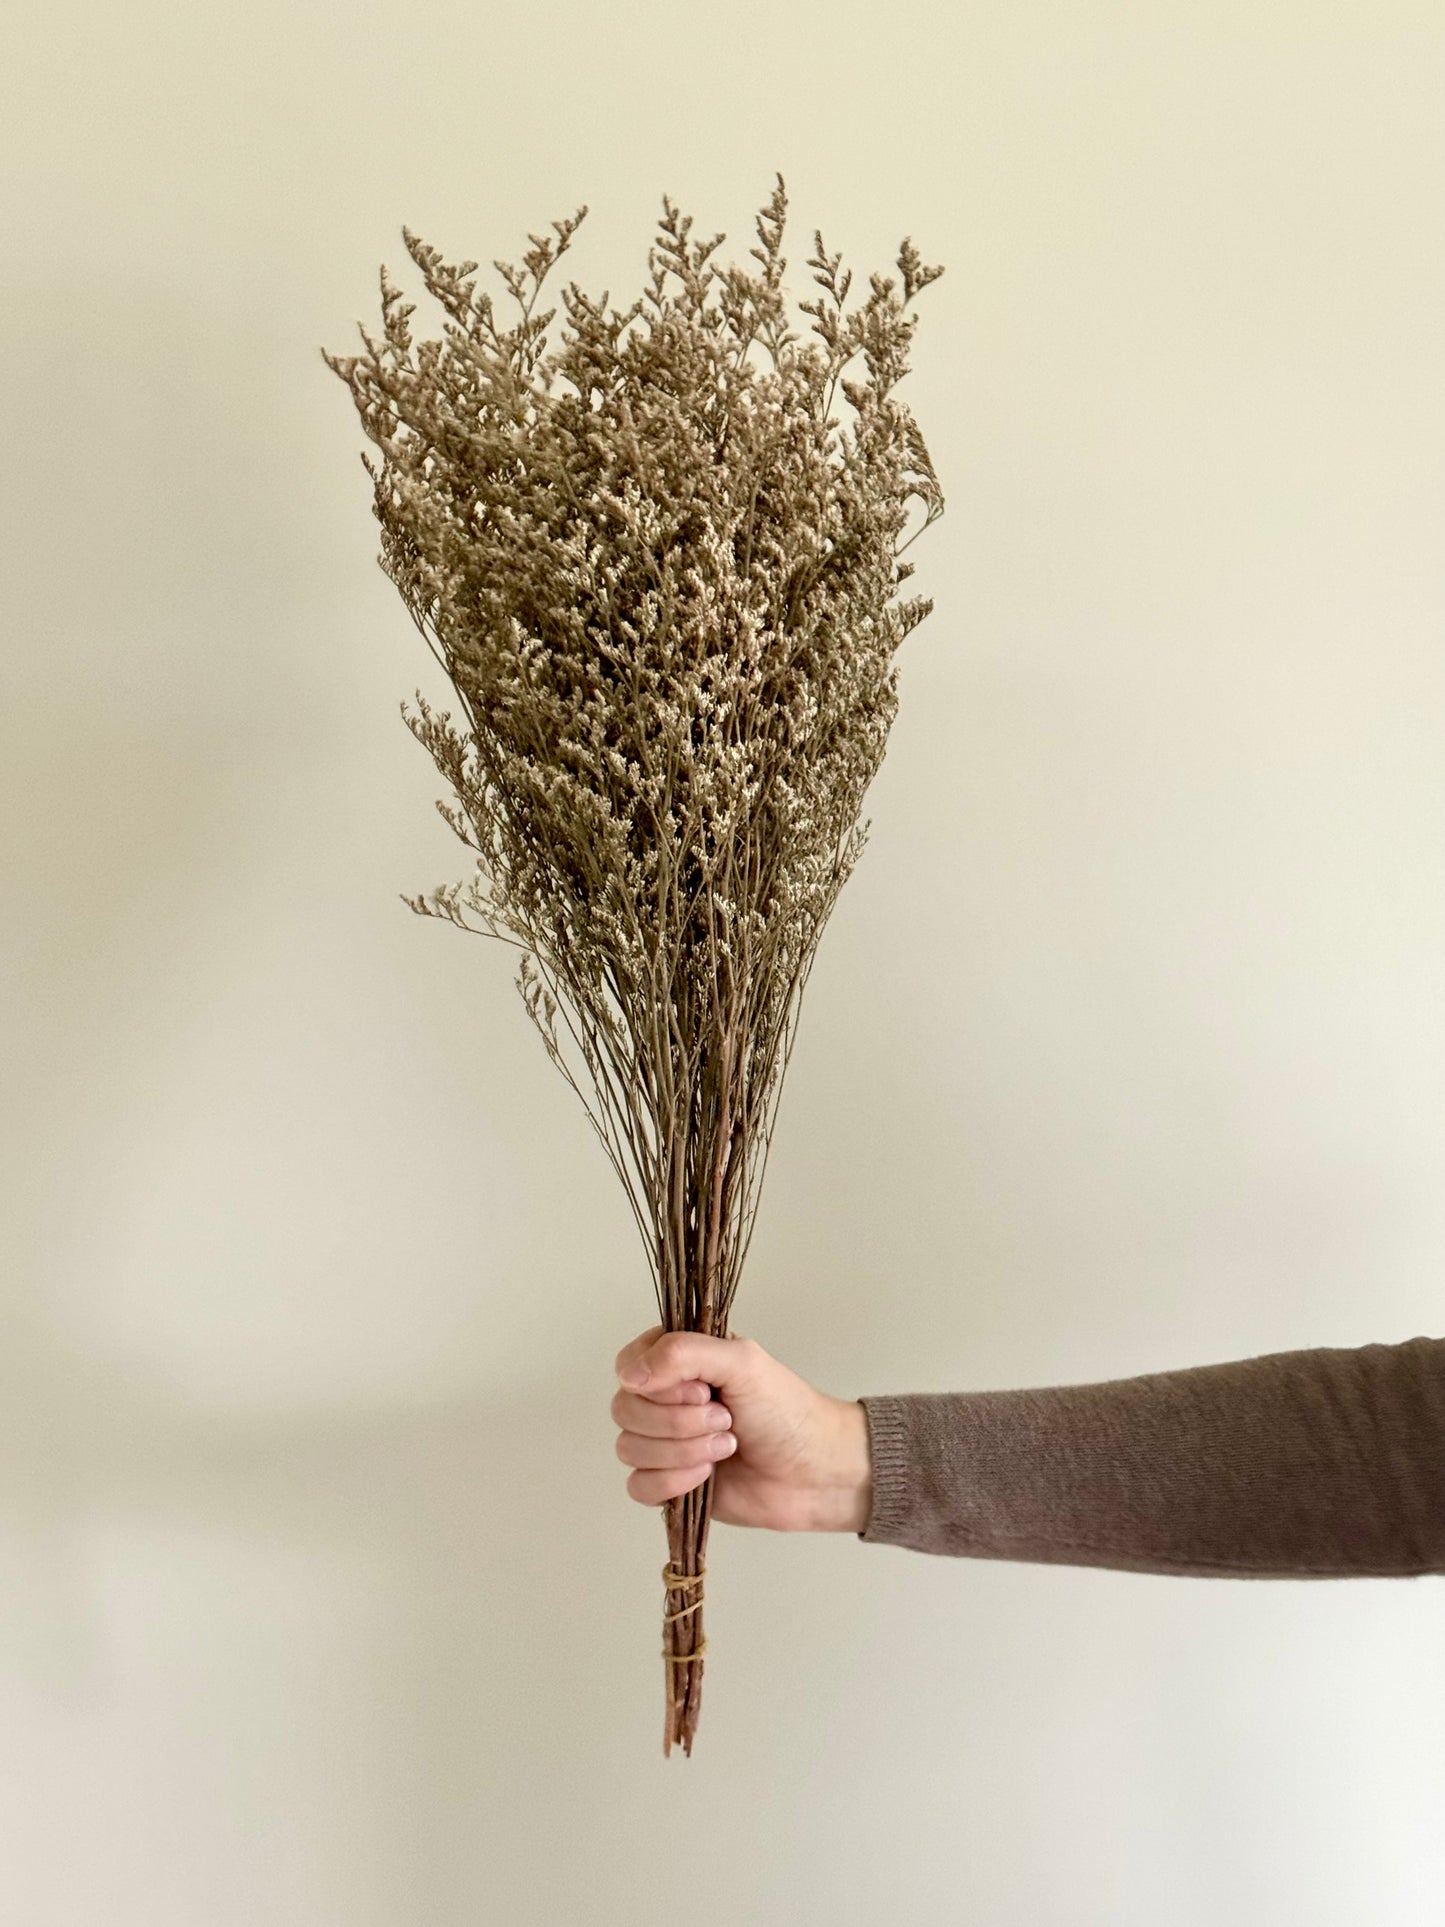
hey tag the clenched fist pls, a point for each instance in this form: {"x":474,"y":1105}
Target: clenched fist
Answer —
{"x":780,"y":1454}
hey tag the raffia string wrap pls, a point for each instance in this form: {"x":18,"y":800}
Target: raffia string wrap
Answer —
{"x":672,"y":1579}
{"x":675,"y":1581}
{"x":661,"y":580}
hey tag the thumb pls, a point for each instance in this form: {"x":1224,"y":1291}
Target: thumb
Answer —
{"x":729,"y":1363}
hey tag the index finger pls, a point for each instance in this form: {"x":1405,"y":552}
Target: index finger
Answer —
{"x":691,"y":1391}
{"x":636,"y":1346}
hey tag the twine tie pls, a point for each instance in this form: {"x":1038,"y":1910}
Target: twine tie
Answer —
{"x":676,"y":1580}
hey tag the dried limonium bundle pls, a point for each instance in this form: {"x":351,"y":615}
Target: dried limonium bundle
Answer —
{"x":664,"y":596}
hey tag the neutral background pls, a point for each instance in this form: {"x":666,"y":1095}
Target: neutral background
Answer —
{"x":321,"y":1600}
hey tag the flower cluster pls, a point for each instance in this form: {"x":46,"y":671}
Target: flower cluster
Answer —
{"x":660,"y":575}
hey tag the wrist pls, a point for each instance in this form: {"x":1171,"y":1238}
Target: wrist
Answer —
{"x":845,"y":1491}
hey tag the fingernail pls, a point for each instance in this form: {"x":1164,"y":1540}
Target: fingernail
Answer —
{"x":635,"y":1374}
{"x":722,"y":1446}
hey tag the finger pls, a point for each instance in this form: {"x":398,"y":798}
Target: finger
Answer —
{"x":636,"y":1346}
{"x":656,"y":1488}
{"x":637,"y":1414}
{"x":657,"y":1363}
{"x":638,"y":1448}
{"x":691,"y":1391}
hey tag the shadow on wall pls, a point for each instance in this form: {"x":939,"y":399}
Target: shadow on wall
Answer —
{"x":359,"y":1622}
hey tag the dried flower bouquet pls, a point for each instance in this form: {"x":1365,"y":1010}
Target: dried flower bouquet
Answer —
{"x":664,"y":597}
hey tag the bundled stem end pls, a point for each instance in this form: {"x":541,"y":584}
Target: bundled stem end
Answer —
{"x":683,"y":1643}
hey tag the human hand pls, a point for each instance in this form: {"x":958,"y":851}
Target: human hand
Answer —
{"x":781,"y":1454}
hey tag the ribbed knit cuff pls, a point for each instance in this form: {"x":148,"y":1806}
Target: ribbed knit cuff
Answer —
{"x":889,"y":1460}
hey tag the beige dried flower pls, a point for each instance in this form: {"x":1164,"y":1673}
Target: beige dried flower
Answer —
{"x":664,"y":595}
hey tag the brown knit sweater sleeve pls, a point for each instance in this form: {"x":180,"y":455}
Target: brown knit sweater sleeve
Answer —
{"x":1314,"y":1464}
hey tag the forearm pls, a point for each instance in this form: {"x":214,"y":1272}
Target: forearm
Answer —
{"x":1312,"y":1464}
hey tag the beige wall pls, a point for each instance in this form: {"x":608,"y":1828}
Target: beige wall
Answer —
{"x":321,"y":1601}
